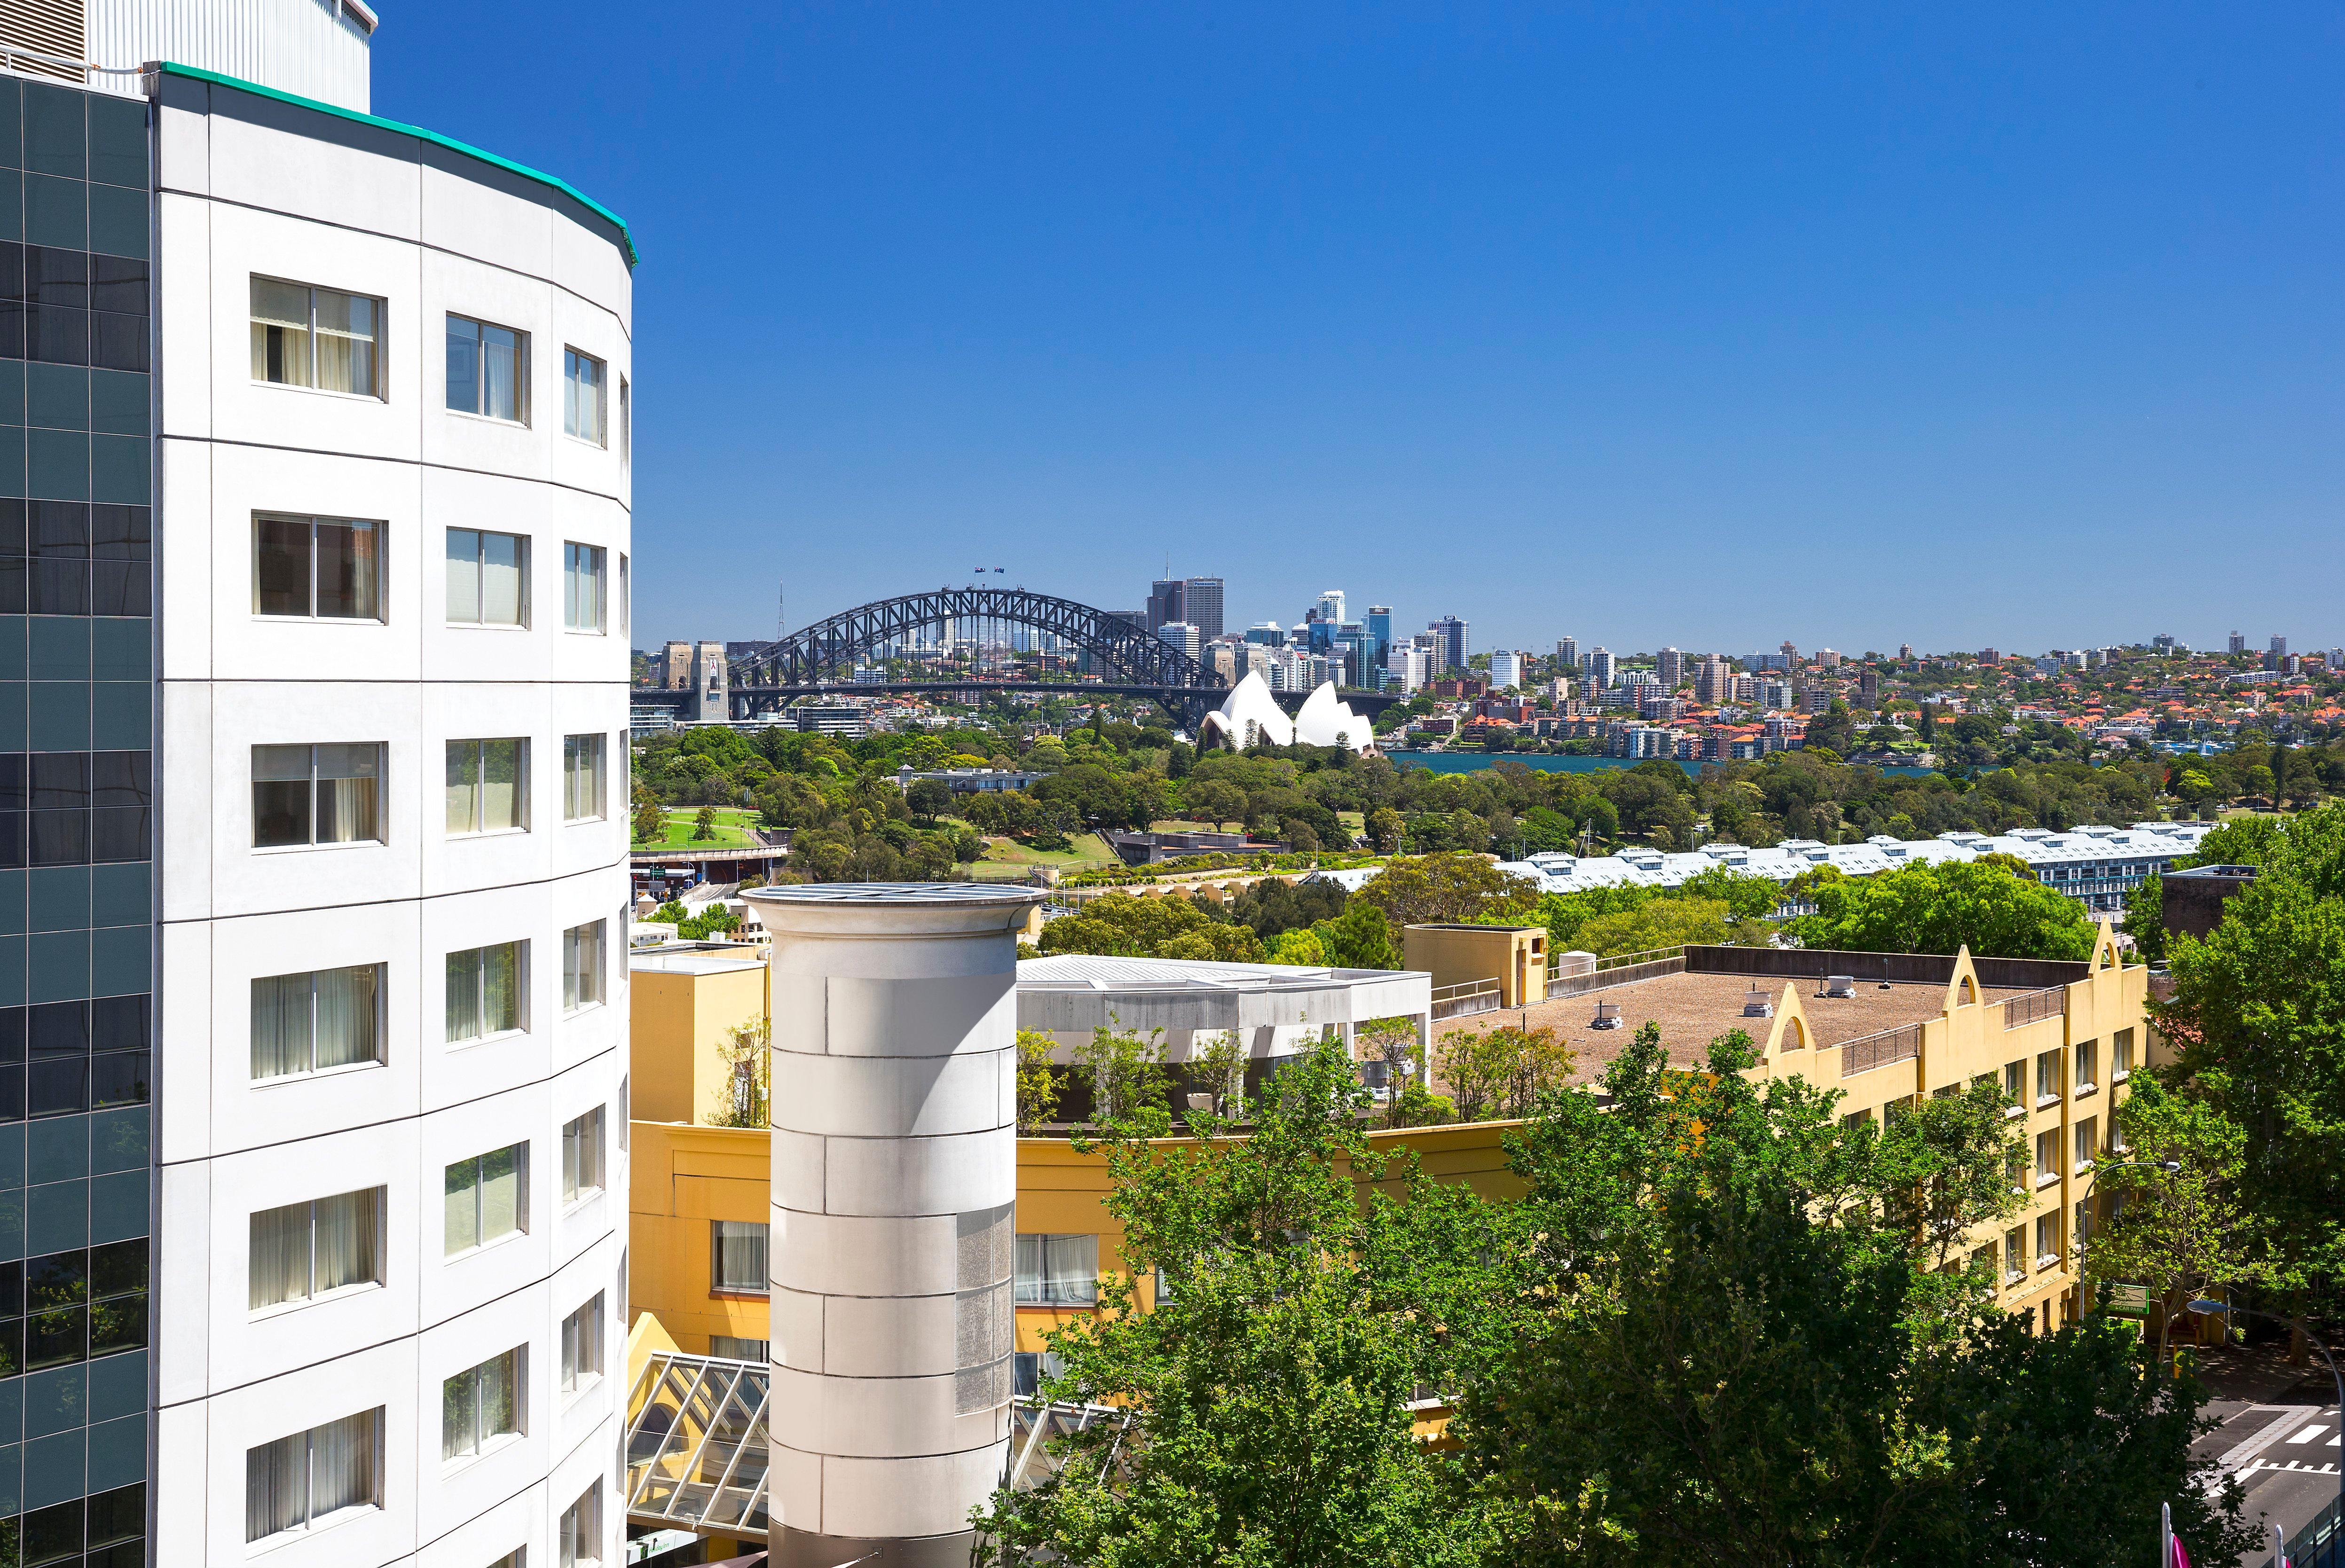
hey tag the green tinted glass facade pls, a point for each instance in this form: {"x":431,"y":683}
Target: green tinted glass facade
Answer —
{"x":76,"y":814}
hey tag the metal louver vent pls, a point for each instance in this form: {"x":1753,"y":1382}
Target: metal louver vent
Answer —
{"x":36,"y":35}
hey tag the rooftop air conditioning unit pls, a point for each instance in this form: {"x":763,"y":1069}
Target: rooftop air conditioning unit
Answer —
{"x":1840,"y":984}
{"x":1608,"y":1016}
{"x":1755,"y":1004}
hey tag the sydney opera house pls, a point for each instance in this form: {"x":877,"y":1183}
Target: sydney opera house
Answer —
{"x":1252,"y":716}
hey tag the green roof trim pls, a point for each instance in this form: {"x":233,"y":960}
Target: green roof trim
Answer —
{"x":192,"y":72}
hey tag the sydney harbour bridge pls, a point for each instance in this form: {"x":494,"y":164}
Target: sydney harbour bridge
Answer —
{"x":1126,"y":658}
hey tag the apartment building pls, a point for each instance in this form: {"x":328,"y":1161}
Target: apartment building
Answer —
{"x":316,"y":484}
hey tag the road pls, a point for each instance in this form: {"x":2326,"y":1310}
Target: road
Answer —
{"x":2286,"y":1457}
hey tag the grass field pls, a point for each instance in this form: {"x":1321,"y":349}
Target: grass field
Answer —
{"x":732,"y":825}
{"x":1006,"y":860}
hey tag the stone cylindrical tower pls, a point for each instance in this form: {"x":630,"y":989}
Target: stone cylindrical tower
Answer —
{"x":893,"y":1243}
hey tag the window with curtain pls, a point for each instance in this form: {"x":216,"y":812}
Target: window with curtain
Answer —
{"x":317,"y":568}
{"x":303,"y":1481}
{"x":312,"y":1248}
{"x":2014,"y":1253}
{"x":582,"y":778}
{"x":318,"y":337}
{"x":582,"y":967}
{"x":582,"y":1156}
{"x":486,"y":1197}
{"x":2047,"y":1238}
{"x":2088,"y":1064}
{"x":2047,"y":1153}
{"x":738,"y":1257}
{"x":580,"y":1542}
{"x":626,"y":433}
{"x":488,"y":578}
{"x":1056,"y":1271}
{"x":2121,"y":1056}
{"x":583,"y":376}
{"x":481,"y":1406}
{"x":2088,"y":1135}
{"x":488,"y":369}
{"x":582,"y":1346}
{"x":317,"y":794}
{"x":581,"y":587}
{"x":325,"y":1018}
{"x":485,"y":991}
{"x":2048,"y":1075}
{"x":488,"y":787}
{"x":734,"y":1348}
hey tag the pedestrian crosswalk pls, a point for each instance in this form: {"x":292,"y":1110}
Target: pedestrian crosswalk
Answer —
{"x":2303,"y":1467}
{"x":2312,"y":1434}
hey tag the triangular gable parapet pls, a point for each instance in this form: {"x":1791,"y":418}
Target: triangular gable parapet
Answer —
{"x":1962,"y":985}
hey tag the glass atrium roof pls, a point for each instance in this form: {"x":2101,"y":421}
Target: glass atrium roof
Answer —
{"x":696,"y":1443}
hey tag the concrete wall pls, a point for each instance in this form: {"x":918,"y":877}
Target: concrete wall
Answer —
{"x":1513,"y":955}
{"x":680,"y":1019}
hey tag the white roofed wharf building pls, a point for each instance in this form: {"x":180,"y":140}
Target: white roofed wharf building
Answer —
{"x":2095,"y":865}
{"x":321,"y":435}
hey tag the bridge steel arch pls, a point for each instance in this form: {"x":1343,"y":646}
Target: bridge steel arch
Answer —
{"x":830,"y":648}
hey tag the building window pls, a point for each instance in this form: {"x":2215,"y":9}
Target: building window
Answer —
{"x":307,"y":1250}
{"x":2047,"y":1239}
{"x":738,"y":1257}
{"x":582,"y":1346}
{"x":581,"y":587}
{"x":624,"y":593}
{"x":2047,"y":1154}
{"x":485,"y":991}
{"x":2088,"y":1142}
{"x":738,"y":1349}
{"x":580,"y":1543}
{"x":2121,"y":1056}
{"x":582,"y":967}
{"x":77,"y":1305}
{"x":2083,"y":1228}
{"x":73,"y":808}
{"x":307,"y":1023}
{"x":302,"y":1482}
{"x":1058,"y":1270}
{"x":486,"y":1198}
{"x":317,"y":794}
{"x":2089,"y":1058}
{"x":2047,"y":1077}
{"x":2015,"y":1254}
{"x":583,"y":376}
{"x":316,"y":337}
{"x":1030,"y":1370}
{"x":488,"y":578}
{"x":488,"y":787}
{"x":627,"y":431}
{"x":2014,"y":1080}
{"x":582,"y":1156}
{"x":582,"y":778}
{"x":317,"y":568}
{"x":487,"y":371}
{"x":482,"y":1406}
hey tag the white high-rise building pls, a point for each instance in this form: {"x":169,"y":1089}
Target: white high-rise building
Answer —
{"x":323,"y":448}
{"x":1600,"y":669}
{"x":1408,"y":666}
{"x":1506,"y":670}
{"x":1330,"y":606}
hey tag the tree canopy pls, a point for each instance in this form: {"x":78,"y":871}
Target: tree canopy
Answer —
{"x":1983,"y":905}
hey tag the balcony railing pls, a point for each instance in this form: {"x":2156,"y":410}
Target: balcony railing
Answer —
{"x":2036,"y":1006}
{"x":1465,"y":999}
{"x":1867,"y":1052}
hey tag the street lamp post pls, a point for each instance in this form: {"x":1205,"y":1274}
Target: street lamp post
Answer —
{"x":2207,"y":1309}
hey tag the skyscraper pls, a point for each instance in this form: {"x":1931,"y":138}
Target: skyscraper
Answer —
{"x":1449,"y":642}
{"x":1378,"y":625}
{"x":1566,"y":652}
{"x":1671,"y":667}
{"x":2239,"y":642}
{"x":357,"y":808}
{"x":1195,"y":599}
{"x":1600,"y":669}
{"x":1330,"y":606}
{"x":1163,"y":601}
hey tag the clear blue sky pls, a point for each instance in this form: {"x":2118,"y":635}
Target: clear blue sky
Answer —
{"x":1716,"y":326}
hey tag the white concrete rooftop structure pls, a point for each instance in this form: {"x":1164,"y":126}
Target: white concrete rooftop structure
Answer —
{"x":1278,"y":1008}
{"x":892,"y":1251}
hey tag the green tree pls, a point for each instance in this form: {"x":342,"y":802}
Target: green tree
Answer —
{"x":2180,"y":1232}
{"x":1720,"y":1360}
{"x":1668,"y":922}
{"x":2258,"y":1022}
{"x":650,"y":821}
{"x":1981,"y":905}
{"x":1496,"y":1074}
{"x":2145,"y":919}
{"x":1270,"y":1386}
{"x":1126,"y":1071}
{"x":704,"y":826}
{"x":748,"y":1076}
{"x":1300,"y":948}
{"x":1447,"y":887}
{"x":1038,"y":1082}
{"x":1385,"y":829}
{"x":1361,"y":937}
{"x":1944,"y":1167}
{"x":927,"y":799}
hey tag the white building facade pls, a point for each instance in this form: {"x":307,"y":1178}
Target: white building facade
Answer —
{"x":323,"y":605}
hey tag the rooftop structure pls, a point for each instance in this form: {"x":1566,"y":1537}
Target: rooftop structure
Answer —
{"x":2098,"y":865}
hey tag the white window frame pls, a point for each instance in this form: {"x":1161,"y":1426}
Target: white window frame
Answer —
{"x":594,"y":748}
{"x":572,"y":554}
{"x":484,"y":1443}
{"x":522,"y":353}
{"x":581,"y":1531}
{"x":382,"y":392}
{"x":582,"y":1168}
{"x":381,"y":614}
{"x":572,"y":358}
{"x":379,"y":1197}
{"x":312,"y":1521}
{"x":381,"y":802}
{"x":582,"y":1348}
{"x":1039,"y":1294}
{"x":520,"y":1199}
{"x":522,"y":554}
{"x":479,"y":995}
{"x":584,"y":975}
{"x":718,"y":1234}
{"x":477,"y":747}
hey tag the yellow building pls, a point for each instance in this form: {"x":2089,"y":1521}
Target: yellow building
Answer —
{"x":687,"y":1000}
{"x":1515,"y":957}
